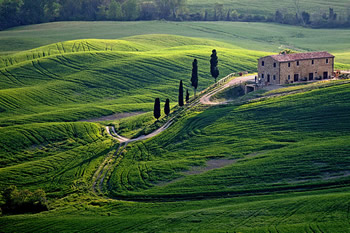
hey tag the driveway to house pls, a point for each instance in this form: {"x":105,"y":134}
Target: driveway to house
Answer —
{"x":205,"y":99}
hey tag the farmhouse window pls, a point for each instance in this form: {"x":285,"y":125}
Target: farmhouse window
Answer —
{"x":288,"y":77}
{"x":288,"y":64}
{"x":327,"y":61}
{"x":262,"y":75}
{"x":312,"y":62}
{"x":274,"y":64}
{"x":297,"y":63}
{"x":262,"y":63}
{"x":274,"y":77}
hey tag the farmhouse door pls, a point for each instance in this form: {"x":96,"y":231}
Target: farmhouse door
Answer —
{"x":325,"y":75}
{"x":296,"y":77}
{"x":311,"y":76}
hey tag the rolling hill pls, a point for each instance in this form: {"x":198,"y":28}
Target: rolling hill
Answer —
{"x":265,"y":37}
{"x":276,"y":163}
{"x":84,"y":79}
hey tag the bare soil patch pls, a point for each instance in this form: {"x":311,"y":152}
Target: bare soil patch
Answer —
{"x":211,"y":164}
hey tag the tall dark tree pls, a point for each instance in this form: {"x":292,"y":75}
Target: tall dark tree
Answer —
{"x":187,"y":96}
{"x":306,"y":17}
{"x":214,"y":65}
{"x":167,"y":107}
{"x":181,"y":94}
{"x":228,"y":15}
{"x":194,"y":78}
{"x":156,"y":110}
{"x":278,"y":17}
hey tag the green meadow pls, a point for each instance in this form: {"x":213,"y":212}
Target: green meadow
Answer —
{"x":253,"y":36}
{"x":271,"y":161}
{"x":82,"y":79}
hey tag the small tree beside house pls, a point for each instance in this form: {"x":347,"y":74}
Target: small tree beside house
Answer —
{"x":194,"y":78}
{"x":214,"y":65}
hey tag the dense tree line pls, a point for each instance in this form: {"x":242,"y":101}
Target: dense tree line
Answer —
{"x":319,"y":19}
{"x":23,"y":12}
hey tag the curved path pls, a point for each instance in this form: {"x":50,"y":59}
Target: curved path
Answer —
{"x":106,"y":165}
{"x":205,"y":99}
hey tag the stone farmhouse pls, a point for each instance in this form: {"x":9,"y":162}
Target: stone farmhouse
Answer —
{"x":296,"y":67}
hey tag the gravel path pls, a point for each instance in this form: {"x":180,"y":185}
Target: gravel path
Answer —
{"x":104,"y":168}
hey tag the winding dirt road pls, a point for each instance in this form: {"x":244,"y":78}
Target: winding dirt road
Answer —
{"x":106,"y":165}
{"x":205,"y":99}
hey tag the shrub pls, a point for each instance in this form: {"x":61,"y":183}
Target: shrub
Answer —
{"x":23,"y":201}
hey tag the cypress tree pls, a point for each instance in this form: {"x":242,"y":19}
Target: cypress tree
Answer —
{"x":181,"y":94}
{"x":194,"y":79}
{"x":213,"y":65}
{"x":167,"y":107}
{"x":156,"y":110}
{"x":187,"y":96}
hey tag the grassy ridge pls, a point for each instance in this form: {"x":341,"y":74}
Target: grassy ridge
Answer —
{"x":255,"y":36}
{"x":297,"y":212}
{"x":295,"y":142}
{"x":58,"y":157}
{"x":281,"y":143}
{"x":79,"y":85}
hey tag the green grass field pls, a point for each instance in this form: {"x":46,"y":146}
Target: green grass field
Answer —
{"x":253,"y":36}
{"x":299,"y":167}
{"x":83,"y":79}
{"x":279,"y":163}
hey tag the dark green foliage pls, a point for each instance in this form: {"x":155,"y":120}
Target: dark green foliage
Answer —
{"x":167,"y":107}
{"x":22,"y":12}
{"x":9,"y":13}
{"x":23,"y":201}
{"x":278,"y":17}
{"x":181,"y":94}
{"x":156,"y":109}
{"x":306,"y":17}
{"x":214,"y":70}
{"x":187,"y":96}
{"x":194,"y":78}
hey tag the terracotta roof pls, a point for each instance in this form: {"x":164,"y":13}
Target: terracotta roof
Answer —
{"x":301,"y":56}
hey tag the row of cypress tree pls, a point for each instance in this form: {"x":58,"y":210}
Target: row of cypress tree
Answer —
{"x":214,"y":71}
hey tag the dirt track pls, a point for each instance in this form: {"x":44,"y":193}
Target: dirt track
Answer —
{"x":205,"y":99}
{"x":102,"y":171}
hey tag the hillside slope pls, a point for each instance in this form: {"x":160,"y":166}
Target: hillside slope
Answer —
{"x":280,"y":163}
{"x":291,"y":150}
{"x":83,"y":79}
{"x":290,"y":142}
{"x":266,"y":37}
